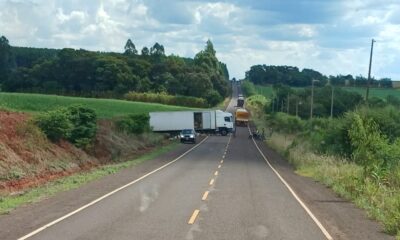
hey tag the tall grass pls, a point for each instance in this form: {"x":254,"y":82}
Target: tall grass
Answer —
{"x":382,"y":201}
{"x":105,"y":108}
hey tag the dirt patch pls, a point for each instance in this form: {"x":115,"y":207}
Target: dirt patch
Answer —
{"x":29,"y":159}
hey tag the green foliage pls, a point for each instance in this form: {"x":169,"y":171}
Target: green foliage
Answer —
{"x":248,"y":88}
{"x":111,"y":75}
{"x":84,"y":125}
{"x":104,"y":108}
{"x":164,"y":98}
{"x":372,"y":150}
{"x":134,"y":124}
{"x":386,"y":118}
{"x":286,"y":123}
{"x":292,"y":76}
{"x":76,"y":124}
{"x":55,"y":124}
{"x":300,"y":98}
{"x":213,"y":98}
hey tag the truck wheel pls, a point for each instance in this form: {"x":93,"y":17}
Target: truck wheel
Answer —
{"x":224,"y":132}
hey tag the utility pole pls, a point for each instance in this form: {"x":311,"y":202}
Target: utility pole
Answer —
{"x":332,"y":102}
{"x":369,"y":70}
{"x":312,"y":98}
{"x":288,"y":103}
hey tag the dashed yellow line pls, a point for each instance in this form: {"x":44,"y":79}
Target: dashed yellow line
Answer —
{"x":212,"y":181}
{"x":216,"y":173}
{"x":194,"y":216}
{"x":205,"y":195}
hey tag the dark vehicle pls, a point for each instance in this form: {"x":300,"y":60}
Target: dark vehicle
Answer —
{"x":187,"y":135}
{"x":240,"y":102}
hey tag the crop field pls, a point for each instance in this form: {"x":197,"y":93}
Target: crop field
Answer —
{"x":374,"y":92}
{"x":105,"y":108}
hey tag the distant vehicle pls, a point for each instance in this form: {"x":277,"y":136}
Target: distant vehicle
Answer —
{"x":213,"y":121}
{"x":240,"y":102}
{"x":187,"y":135}
{"x":241,"y":117}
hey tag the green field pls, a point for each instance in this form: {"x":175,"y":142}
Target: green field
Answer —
{"x":374,"y":92}
{"x":105,"y":108}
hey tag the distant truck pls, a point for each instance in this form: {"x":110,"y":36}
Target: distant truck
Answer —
{"x":241,"y":117}
{"x":240,"y":102}
{"x":214,"y":121}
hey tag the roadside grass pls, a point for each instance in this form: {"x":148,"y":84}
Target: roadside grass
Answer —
{"x":8,"y":203}
{"x":105,"y":108}
{"x":267,"y":91}
{"x":381,"y":201}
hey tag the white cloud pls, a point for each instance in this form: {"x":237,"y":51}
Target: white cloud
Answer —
{"x":332,"y":37}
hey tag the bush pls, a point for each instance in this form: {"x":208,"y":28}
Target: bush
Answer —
{"x":213,"y":98}
{"x":55,"y":124}
{"x":84,"y":125}
{"x":135,"y":123}
{"x":164,"y":98}
{"x":76,"y":124}
{"x":286,"y":123}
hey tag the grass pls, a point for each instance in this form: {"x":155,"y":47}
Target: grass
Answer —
{"x":105,"y":108}
{"x":7,"y":203}
{"x":381,"y":202}
{"x":374,"y":92}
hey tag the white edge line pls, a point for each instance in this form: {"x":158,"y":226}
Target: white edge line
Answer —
{"x":106,"y":195}
{"x":313,"y":217}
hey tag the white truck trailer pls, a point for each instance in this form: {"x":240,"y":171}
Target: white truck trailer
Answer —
{"x":215,"y":121}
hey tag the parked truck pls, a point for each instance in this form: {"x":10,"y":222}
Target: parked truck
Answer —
{"x":214,"y":121}
{"x":241,"y":117}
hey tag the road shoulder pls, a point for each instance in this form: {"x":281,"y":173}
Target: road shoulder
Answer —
{"x":341,"y":218}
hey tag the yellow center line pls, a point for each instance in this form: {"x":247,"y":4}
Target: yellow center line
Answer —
{"x":216,"y":173}
{"x":219,"y":166}
{"x":212,"y":181}
{"x":205,"y":195}
{"x":194,"y":216}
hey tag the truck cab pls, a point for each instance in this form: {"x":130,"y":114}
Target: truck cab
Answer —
{"x":224,"y":122}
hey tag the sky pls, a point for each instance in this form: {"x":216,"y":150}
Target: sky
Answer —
{"x":330,"y":36}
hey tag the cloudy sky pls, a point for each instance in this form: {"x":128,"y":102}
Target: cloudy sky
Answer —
{"x":331,"y":36}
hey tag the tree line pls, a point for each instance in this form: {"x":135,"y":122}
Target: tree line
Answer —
{"x":80,"y":72}
{"x":292,"y":76}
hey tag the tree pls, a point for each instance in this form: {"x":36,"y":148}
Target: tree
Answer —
{"x":157,"y":50}
{"x":5,"y":58}
{"x":145,"y":51}
{"x":130,"y":48}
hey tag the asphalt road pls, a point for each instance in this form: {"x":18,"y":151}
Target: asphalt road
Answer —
{"x":223,"y":189}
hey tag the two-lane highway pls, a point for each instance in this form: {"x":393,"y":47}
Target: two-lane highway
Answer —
{"x":222,"y":189}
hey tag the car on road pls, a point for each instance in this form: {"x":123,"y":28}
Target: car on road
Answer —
{"x":188,"y":135}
